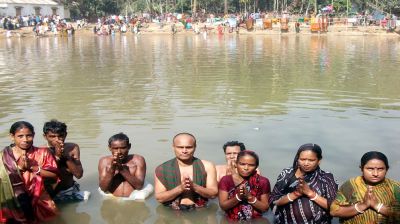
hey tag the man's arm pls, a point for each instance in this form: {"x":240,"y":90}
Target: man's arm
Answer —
{"x":162,"y":194}
{"x":106,"y":173}
{"x":211,"y":189}
{"x":134,"y":172}
{"x":72,"y":156}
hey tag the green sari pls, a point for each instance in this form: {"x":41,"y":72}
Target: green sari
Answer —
{"x":353,"y":191}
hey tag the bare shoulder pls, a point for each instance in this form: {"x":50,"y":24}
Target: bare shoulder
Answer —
{"x":138,"y":159}
{"x":220,"y":168}
{"x":208,"y":164}
{"x":105,"y":160}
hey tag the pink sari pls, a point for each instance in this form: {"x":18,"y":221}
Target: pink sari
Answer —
{"x":42,"y":205}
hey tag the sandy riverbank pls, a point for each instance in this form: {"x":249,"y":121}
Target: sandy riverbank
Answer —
{"x":155,"y":29}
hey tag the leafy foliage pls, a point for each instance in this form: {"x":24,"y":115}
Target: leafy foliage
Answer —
{"x":95,"y":8}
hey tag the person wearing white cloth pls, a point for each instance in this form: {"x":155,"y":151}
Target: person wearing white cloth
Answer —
{"x":121,"y":173}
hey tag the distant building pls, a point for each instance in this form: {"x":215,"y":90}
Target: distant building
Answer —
{"x":31,"y":7}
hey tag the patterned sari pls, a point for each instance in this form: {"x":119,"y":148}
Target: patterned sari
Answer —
{"x":170,"y":176}
{"x":303,"y":210}
{"x":353,"y":191}
{"x":23,"y":197}
{"x":257,"y":185}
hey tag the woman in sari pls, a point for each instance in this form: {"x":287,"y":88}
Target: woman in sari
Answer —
{"x":244,"y":194}
{"x":22,"y":170}
{"x":304,"y":192}
{"x":371,"y":197}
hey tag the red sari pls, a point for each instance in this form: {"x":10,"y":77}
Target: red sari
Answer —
{"x":36,"y":203}
{"x":257,"y":185}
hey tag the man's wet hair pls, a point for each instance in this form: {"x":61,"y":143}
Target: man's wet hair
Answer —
{"x":55,"y":126}
{"x":234,"y":143}
{"x":184,"y":133}
{"x":118,"y":137}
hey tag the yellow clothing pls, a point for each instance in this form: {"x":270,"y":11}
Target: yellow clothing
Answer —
{"x":353,"y":191}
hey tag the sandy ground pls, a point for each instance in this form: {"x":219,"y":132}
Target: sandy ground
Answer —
{"x":155,"y":29}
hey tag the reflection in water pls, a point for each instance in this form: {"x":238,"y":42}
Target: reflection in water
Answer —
{"x":70,"y":215}
{"x":261,"y":220}
{"x":271,"y":92}
{"x":201,"y":215}
{"x":115,"y":211}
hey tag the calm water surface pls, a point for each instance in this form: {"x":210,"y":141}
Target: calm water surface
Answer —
{"x":274,"y":93}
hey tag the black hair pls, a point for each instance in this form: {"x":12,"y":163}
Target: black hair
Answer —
{"x":374,"y":155}
{"x":309,"y":146}
{"x":234,"y":143}
{"x":118,"y":137}
{"x":250,"y":153}
{"x":184,"y":133}
{"x":55,"y":126}
{"x":19,"y":125}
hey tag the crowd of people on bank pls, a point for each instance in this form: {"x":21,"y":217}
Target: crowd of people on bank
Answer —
{"x":41,"y":25}
{"x":34,"y":179}
{"x":229,"y":23}
{"x":110,"y":25}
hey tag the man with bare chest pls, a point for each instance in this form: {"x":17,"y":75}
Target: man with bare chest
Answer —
{"x":67,"y":155}
{"x":121,"y":173}
{"x":185,"y":182}
{"x":231,"y":150}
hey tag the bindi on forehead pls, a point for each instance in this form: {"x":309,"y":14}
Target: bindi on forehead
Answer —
{"x":375,"y":164}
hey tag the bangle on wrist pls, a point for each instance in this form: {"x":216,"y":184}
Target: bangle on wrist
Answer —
{"x":380,"y":205}
{"x":288,"y":197}
{"x":253,"y":202}
{"x":357,"y":209}
{"x":237,"y":197}
{"x":38,"y":171}
{"x":315,"y":197}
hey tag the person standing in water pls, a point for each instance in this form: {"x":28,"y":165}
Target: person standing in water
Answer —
{"x":231,"y":150}
{"x":303,"y":193}
{"x":67,"y":155}
{"x":185,"y":182}
{"x":121,"y":173}
{"x":244,"y":194}
{"x":371,"y":197}
{"x":23,"y":168}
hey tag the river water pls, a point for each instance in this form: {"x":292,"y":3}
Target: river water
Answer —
{"x":273,"y":93}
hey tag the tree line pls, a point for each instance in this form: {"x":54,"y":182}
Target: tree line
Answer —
{"x":92,"y":9}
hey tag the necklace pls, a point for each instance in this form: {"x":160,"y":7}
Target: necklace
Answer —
{"x":18,"y":152}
